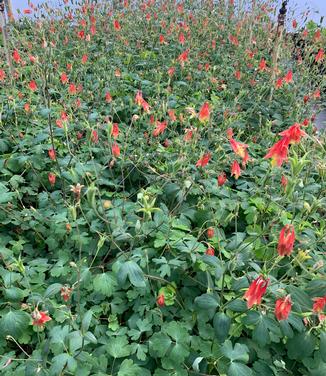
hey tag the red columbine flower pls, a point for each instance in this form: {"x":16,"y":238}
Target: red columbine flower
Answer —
{"x":229,"y":133}
{"x":286,"y":240}
{"x":294,"y":24}
{"x":16,"y":56}
{"x":293,"y":134}
{"x":262,"y":64}
{"x":162,"y":39}
{"x":210,"y":251}
{"x":288,"y":77}
{"x":51,"y":178}
{"x":171,"y":71}
{"x":203,"y":161}
{"x":2,"y":75}
{"x":279,"y":152}
{"x":160,"y":300}
{"x":40,"y":317}
{"x":32,"y":85}
{"x":256,"y":291}
{"x":279,"y":83}
{"x":238,"y":147}
{"x":221,"y":179}
{"x":235,"y":170}
{"x":108,"y":97}
{"x":94,"y":136}
{"x":115,"y":130}
{"x":183,"y":57}
{"x":160,"y":128}
{"x":283,"y":308}
{"x":319,"y":304}
{"x":52,"y":155}
{"x":237,"y":75}
{"x":115,"y":150}
{"x":65,"y":292}
{"x":72,"y":89}
{"x":64,"y":78}
{"x":320,"y":55}
{"x":84,"y":59}
{"x":116,"y":25}
{"x":284,"y":181}
{"x":210,"y":232}
{"x":204,"y":113}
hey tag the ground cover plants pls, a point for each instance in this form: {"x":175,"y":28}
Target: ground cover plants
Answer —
{"x":162,"y":192}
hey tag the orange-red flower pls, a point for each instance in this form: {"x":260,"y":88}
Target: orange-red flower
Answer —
{"x":256,"y":291}
{"x":319,"y":304}
{"x":116,"y":25}
{"x":238,"y":147}
{"x":160,"y":128}
{"x":210,"y":251}
{"x":293,"y":134}
{"x":115,"y":130}
{"x":204,"y":113}
{"x":235,"y":170}
{"x":286,"y":240}
{"x":284,"y":181}
{"x":115,"y":150}
{"x":203,"y":161}
{"x":221,"y":179}
{"x":262,"y":64}
{"x":32,"y":85}
{"x":279,"y":83}
{"x":51,"y":178}
{"x":108,"y":97}
{"x":320,"y":55}
{"x":283,"y":308}
{"x":160,"y":300}
{"x":2,"y":75}
{"x":288,"y":77}
{"x":279,"y":152}
{"x":16,"y":56}
{"x":64,"y":78}
{"x":52,"y":154}
{"x":40,"y":317}
{"x":210,"y":232}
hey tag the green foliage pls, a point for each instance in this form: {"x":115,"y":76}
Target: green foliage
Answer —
{"x":108,"y":267}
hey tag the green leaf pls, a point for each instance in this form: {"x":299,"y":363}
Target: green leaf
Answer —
{"x":221,"y":323}
{"x":239,"y":369}
{"x":128,"y":368}
{"x":207,"y":301}
{"x":301,"y":346}
{"x":131,"y":270}
{"x":160,"y":344}
{"x":105,"y":283}
{"x":118,"y":347}
{"x":87,"y":320}
{"x":52,"y":290}
{"x":14,"y":323}
{"x":322,"y":346}
{"x":240,"y":351}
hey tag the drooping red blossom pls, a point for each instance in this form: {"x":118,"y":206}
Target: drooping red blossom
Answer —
{"x":40,"y":317}
{"x":162,"y":39}
{"x":183,"y":57}
{"x":320,"y":55}
{"x":316,"y":94}
{"x":94,"y":136}
{"x":237,"y":75}
{"x":2,"y":75}
{"x":283,"y":308}
{"x":72,"y":89}
{"x":284,"y":181}
{"x":51,"y":178}
{"x":64,"y":78}
{"x":210,"y":232}
{"x":319,"y":304}
{"x":52,"y":154}
{"x":160,"y":128}
{"x":84,"y":59}
{"x":288,"y":77}
{"x":32,"y":85}
{"x":286,"y":241}
{"x":115,"y":130}
{"x":116,"y":25}
{"x":27,"y":107}
{"x":279,"y":83}
{"x":204,"y":113}
{"x":229,"y":133}
{"x":235,"y":169}
{"x":172,"y":116}
{"x":317,"y":35}
{"x":16,"y":56}
{"x":293,"y":134}
{"x":108,"y":97}
{"x":221,"y":179}
{"x":262,"y":65}
{"x":238,"y":147}
{"x":256,"y":291}
{"x":188,"y":135}
{"x":181,"y":38}
{"x":115,"y":150}
{"x":171,"y":71}
{"x":305,"y":122}
{"x":210,"y":251}
{"x":160,"y":300}
{"x":65,"y":292}
{"x":233,"y":40}
{"x":203,"y":161}
{"x":294,"y":24}
{"x":279,"y":152}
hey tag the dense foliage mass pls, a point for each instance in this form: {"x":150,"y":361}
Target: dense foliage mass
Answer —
{"x":162,"y":193}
